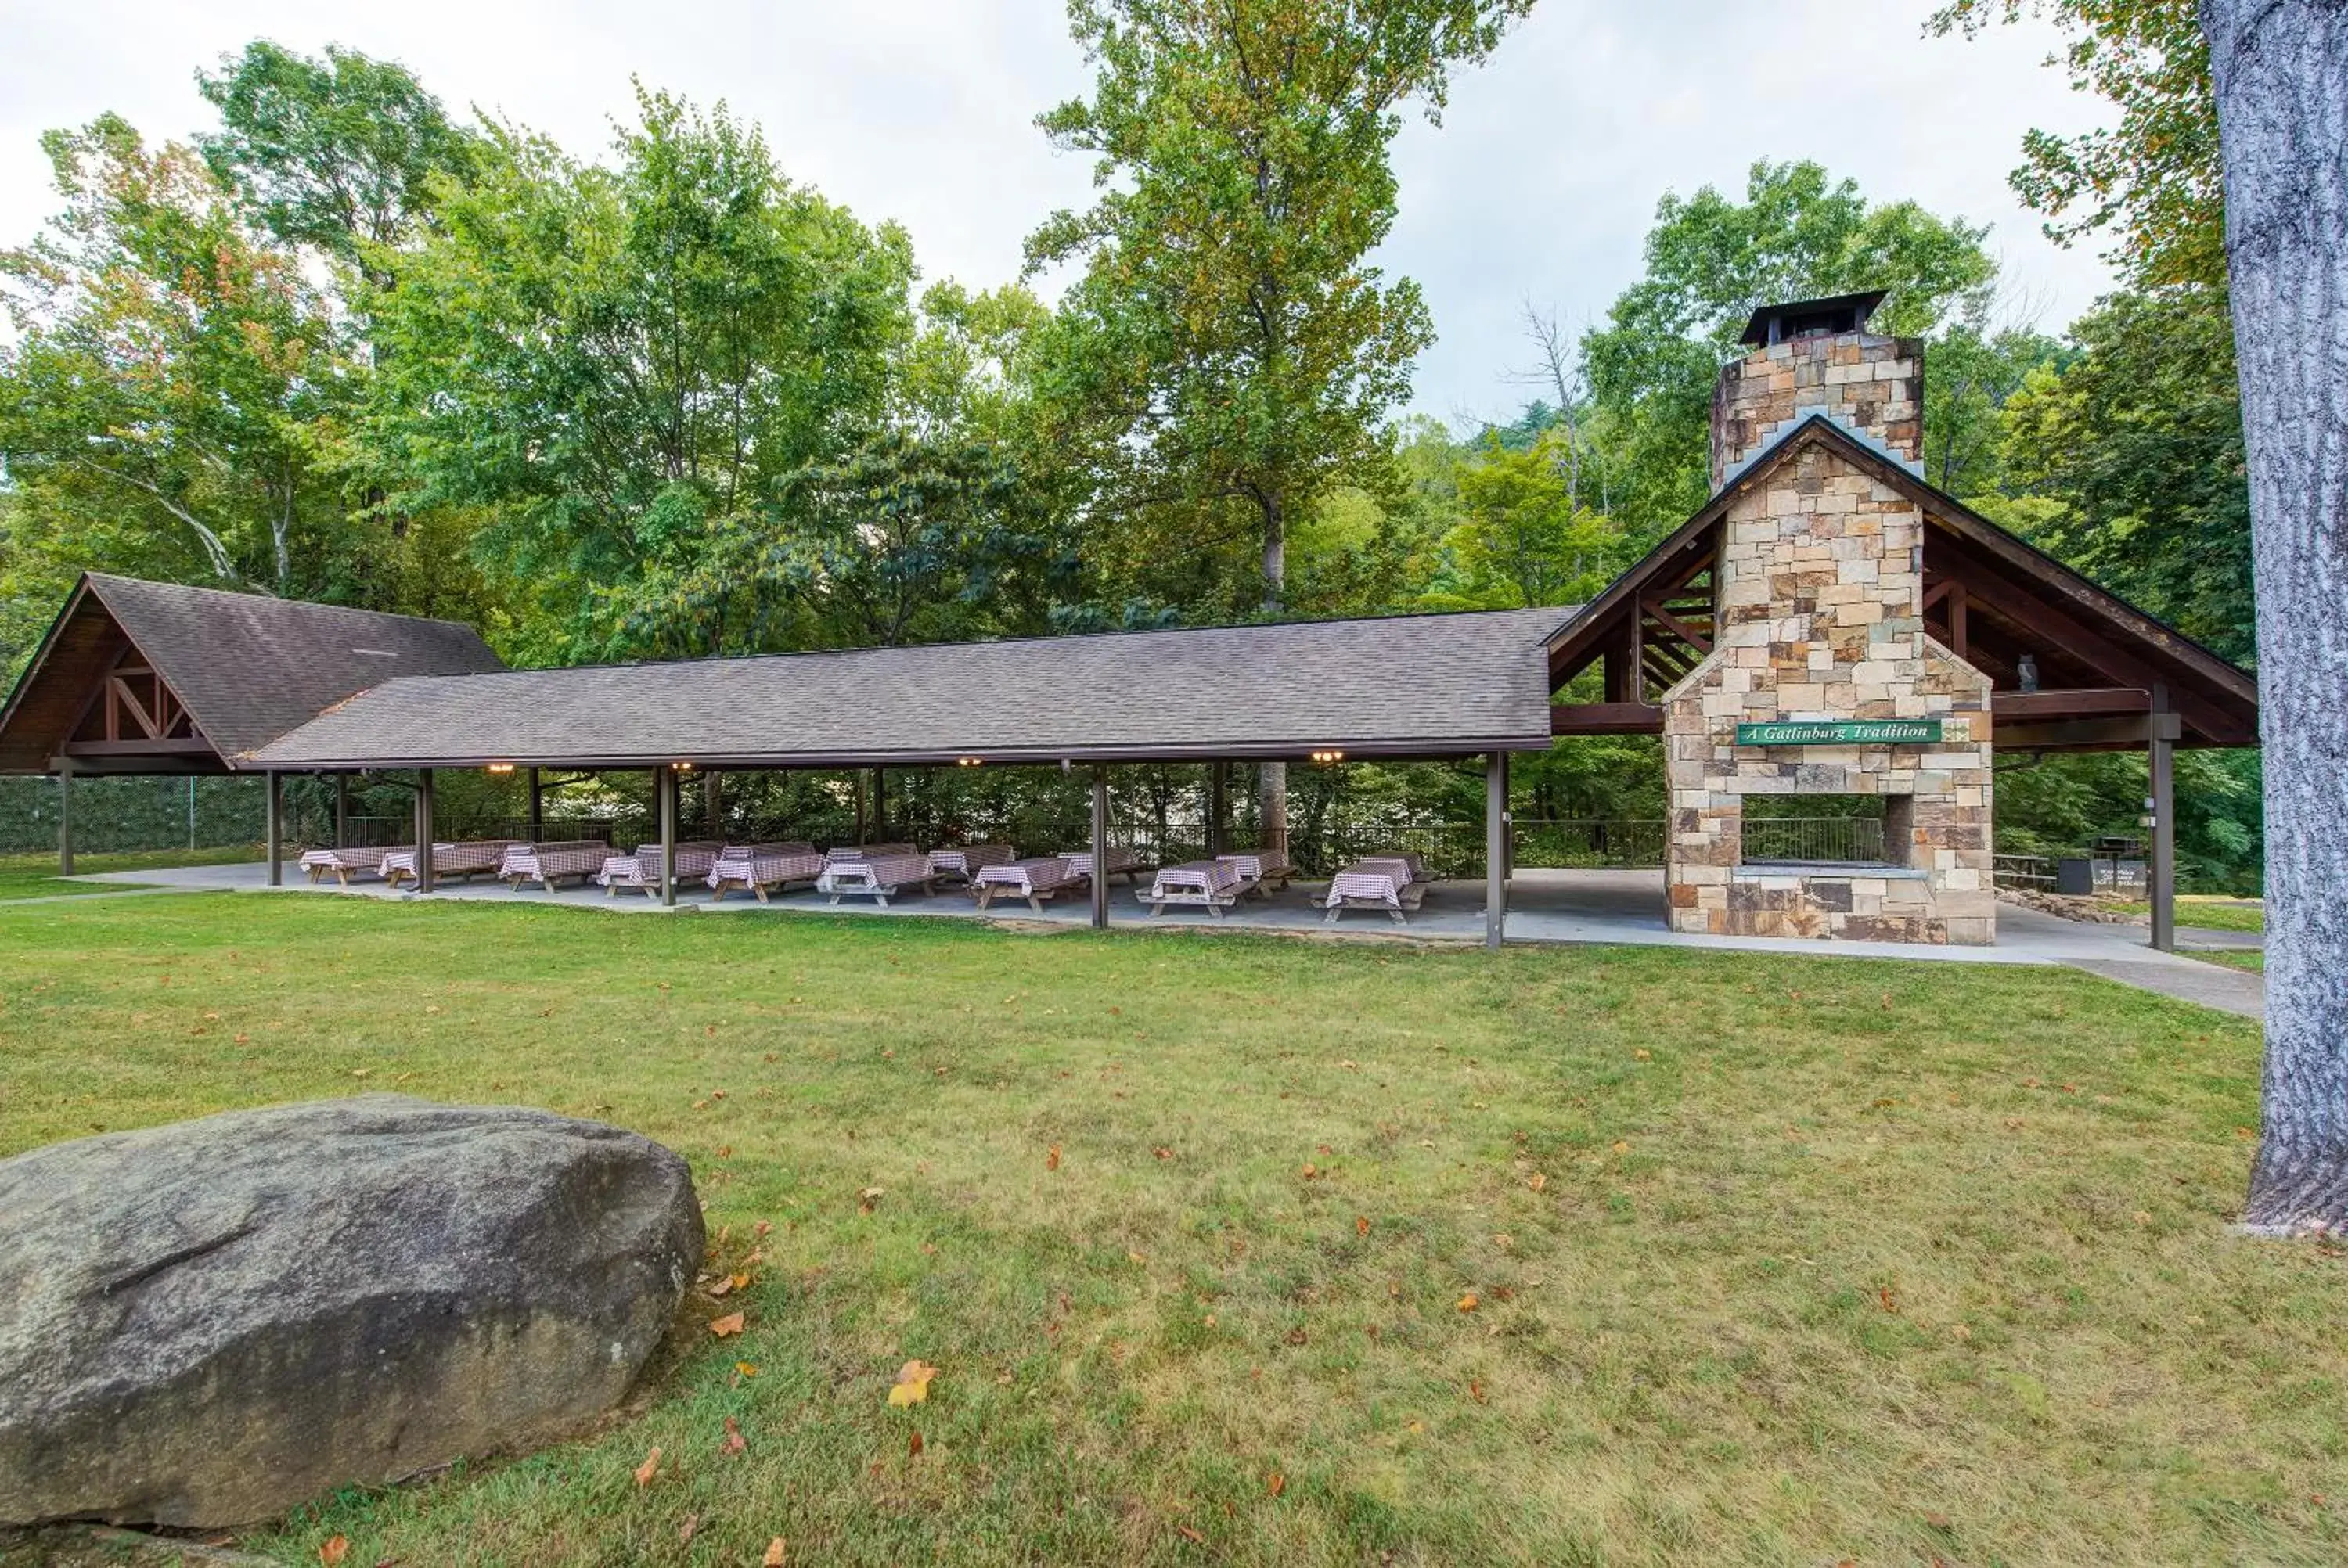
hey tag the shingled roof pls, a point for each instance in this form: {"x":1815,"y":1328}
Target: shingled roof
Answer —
{"x":1426,"y":685}
{"x":247,"y":667}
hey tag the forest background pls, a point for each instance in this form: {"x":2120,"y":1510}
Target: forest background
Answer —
{"x":658,"y":400}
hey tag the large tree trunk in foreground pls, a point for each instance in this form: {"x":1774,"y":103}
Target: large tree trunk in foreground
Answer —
{"x":2280,"y":68}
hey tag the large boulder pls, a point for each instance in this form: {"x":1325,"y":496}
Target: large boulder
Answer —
{"x":208,"y":1323}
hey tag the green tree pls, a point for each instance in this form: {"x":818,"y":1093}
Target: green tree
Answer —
{"x":160,"y":407}
{"x":337,"y":154}
{"x":619,"y":366}
{"x":1226,"y":353}
{"x":2153,"y":179}
{"x":2138,"y":440}
{"x":1710,"y":261}
{"x":1521,"y":541}
{"x":1226,"y":324}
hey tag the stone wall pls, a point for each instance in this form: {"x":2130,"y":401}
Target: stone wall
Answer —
{"x":1872,"y":386}
{"x":1820,"y":601}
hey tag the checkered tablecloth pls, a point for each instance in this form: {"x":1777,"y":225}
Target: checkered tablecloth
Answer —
{"x":350,"y":861}
{"x":401,"y":862}
{"x":547,"y":864}
{"x":1407,"y":867}
{"x":966,"y":860}
{"x":1207,"y":878}
{"x":1080,"y":861}
{"x":875,"y":873}
{"x":1256,"y":864}
{"x":869,"y":851}
{"x":641,"y":870}
{"x":757,"y":865}
{"x":1044,"y":873}
{"x":1378,"y":884}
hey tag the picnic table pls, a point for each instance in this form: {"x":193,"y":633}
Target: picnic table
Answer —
{"x":1213,"y":885}
{"x":763,"y":868}
{"x":867,"y":873}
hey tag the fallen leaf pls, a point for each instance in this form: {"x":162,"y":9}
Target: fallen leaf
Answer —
{"x":650,"y":1467}
{"x":1051,"y":1158}
{"x":913,"y":1384}
{"x":774,"y":1557}
{"x":1644,"y":1054}
{"x":913,"y":1445}
{"x":1163,"y":1152}
{"x":1938,"y":1520}
{"x":334,"y":1549}
{"x":1311,"y":1171}
{"x":685,"y":1527}
{"x":869,"y":1198}
{"x":1467,"y":1302}
{"x":1884,"y":1295}
{"x":1475,"y":1391}
{"x":733,"y":1443}
{"x":719,"y":1287}
{"x":1361,"y":1225}
{"x":1276,"y":1483}
{"x":1187,"y":1533}
{"x":2143,"y":1218}
{"x":728,"y":1324}
{"x":747,"y":1368}
{"x":1415,"y":1426}
{"x":1537,"y":1182}
{"x":1621,"y":1145}
{"x":361,"y":1072}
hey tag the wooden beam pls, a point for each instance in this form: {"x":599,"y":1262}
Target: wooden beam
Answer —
{"x":2086,"y":702}
{"x":1100,"y":848}
{"x":1678,"y":628}
{"x":2068,"y":635}
{"x":274,"y":829}
{"x":1605,"y":719}
{"x":64,"y":817}
{"x":1496,"y":848}
{"x":2085,"y":735}
{"x":2160,"y":875}
{"x":172,"y":746}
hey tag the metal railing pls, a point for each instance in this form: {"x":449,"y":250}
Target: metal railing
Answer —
{"x":373,"y":832}
{"x":1805,"y":839}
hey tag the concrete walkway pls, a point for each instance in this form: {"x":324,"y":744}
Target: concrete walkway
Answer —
{"x":1555,"y":906}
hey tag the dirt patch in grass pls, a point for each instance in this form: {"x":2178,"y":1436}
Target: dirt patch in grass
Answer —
{"x":1232,"y":1249}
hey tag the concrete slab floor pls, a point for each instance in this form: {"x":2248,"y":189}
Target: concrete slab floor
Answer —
{"x":1545,"y":906}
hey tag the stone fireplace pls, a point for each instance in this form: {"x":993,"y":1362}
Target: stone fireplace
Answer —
{"x":1821,"y":678}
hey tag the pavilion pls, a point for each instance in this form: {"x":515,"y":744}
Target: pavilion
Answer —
{"x":1829,"y":621}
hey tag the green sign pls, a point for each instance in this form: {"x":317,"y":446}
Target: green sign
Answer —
{"x":1841,"y":732}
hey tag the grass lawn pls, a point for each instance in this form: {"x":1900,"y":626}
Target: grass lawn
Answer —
{"x":2212,"y":913}
{"x":36,"y":875}
{"x":1772,"y":1260}
{"x":2250,"y":958}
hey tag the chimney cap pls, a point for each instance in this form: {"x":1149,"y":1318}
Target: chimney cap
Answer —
{"x":1801,"y":318}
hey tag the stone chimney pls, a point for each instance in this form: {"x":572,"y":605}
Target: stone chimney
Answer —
{"x":1817,"y":356}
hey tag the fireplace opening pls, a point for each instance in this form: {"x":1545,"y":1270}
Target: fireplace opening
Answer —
{"x":1811,"y":830}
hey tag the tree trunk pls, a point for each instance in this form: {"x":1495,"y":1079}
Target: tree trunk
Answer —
{"x":2280,"y":70}
{"x":1271,"y":779}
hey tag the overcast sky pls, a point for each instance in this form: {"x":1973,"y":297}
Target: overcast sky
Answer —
{"x":1540,"y":185}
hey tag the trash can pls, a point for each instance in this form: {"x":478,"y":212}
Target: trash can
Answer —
{"x":2074,"y":876}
